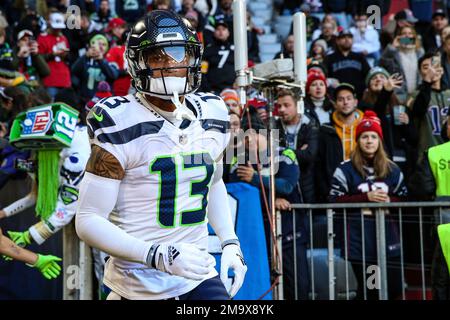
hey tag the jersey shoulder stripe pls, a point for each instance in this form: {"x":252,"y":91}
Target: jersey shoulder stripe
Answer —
{"x":121,"y":119}
{"x":131,"y":133}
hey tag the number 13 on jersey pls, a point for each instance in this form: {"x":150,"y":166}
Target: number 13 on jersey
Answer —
{"x":172,"y":170}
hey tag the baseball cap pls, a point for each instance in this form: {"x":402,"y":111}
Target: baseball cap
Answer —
{"x":344,"y":32}
{"x":438,"y":13}
{"x":115,"y":22}
{"x":24,"y":33}
{"x":221,"y":23}
{"x":405,"y":15}
{"x":344,"y":86}
{"x":57,"y":20}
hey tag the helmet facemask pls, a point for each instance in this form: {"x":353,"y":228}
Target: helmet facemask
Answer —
{"x":163,"y":69}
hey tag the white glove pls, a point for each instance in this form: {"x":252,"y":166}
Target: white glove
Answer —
{"x":182,"y":259}
{"x":232,"y":257}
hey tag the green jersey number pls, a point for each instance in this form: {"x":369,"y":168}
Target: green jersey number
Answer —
{"x":168,"y":170}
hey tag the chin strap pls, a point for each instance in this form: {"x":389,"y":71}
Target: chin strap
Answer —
{"x":181,"y":111}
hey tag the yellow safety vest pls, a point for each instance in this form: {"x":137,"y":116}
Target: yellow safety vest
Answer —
{"x":439,"y":158}
{"x":444,"y":239}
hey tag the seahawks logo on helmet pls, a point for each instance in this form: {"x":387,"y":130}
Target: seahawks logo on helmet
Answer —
{"x":164,"y":36}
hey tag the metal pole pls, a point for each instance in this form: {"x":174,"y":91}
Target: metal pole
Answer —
{"x":381,"y":252}
{"x":331,"y":277}
{"x":294,"y":231}
{"x":270,"y":149}
{"x":422,"y":263}
{"x":279,"y":239}
{"x":363,"y":238}
{"x":402,"y":264}
{"x":311,"y":255}
{"x":347,"y":296}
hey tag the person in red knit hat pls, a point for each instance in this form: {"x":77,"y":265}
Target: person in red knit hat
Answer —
{"x":369,"y":176}
{"x":318,"y":107}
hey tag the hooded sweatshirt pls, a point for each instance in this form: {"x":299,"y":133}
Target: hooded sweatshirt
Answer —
{"x":347,"y":133}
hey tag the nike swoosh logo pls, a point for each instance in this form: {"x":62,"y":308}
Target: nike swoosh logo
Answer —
{"x":98,"y":117}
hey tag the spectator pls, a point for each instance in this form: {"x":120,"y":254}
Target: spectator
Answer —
{"x":54,"y":47}
{"x":440,"y":266}
{"x":430,"y":104}
{"x":404,"y":18}
{"x":400,"y":134}
{"x":432,"y":38}
{"x":131,"y":13}
{"x":219,"y":60}
{"x":102,"y":16}
{"x":260,"y":105}
{"x":28,"y":60}
{"x":433,"y":174}
{"x":328,"y":33}
{"x":327,"y":18}
{"x":13,"y":101}
{"x":318,"y":106}
{"x":286,"y":186}
{"x":161,"y":5}
{"x":288,"y":49}
{"x":299,"y":133}
{"x":194,"y":18}
{"x":32,"y":21}
{"x":444,"y":33}
{"x":312,"y":22}
{"x":234,"y":148}
{"x":318,"y":50}
{"x":188,"y":10}
{"x":369,"y":176}
{"x":337,"y":8}
{"x":224,"y":12}
{"x":445,"y":62}
{"x":115,"y":56}
{"x":78,"y":38}
{"x":346,"y":65}
{"x":231,"y":99}
{"x":337,"y":138}
{"x":366,"y":39}
{"x":6,"y":52}
{"x":401,"y":57}
{"x":103,"y":90}
{"x":115,"y":30}
{"x":434,"y":182}
{"x":93,"y":67}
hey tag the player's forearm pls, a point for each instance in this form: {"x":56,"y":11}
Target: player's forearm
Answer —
{"x":94,"y":228}
{"x":219,"y":213}
{"x":10,"y":249}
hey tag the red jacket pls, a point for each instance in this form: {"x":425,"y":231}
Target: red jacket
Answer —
{"x":122,"y":84}
{"x":59,"y":71}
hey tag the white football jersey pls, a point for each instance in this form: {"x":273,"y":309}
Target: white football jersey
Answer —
{"x":164,"y":194}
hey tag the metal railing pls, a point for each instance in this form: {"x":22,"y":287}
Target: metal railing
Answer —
{"x":336,"y":258}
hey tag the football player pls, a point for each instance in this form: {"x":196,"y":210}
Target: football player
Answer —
{"x":153,"y":181}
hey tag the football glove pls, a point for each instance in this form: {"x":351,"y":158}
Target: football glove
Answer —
{"x":181,"y":259}
{"x":48,"y":266}
{"x":22,"y":239}
{"x":232,"y":258}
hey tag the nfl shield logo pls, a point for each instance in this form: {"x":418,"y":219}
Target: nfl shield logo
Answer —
{"x":37,"y":122}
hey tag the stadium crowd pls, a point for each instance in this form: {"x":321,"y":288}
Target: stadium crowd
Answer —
{"x":393,"y":81}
